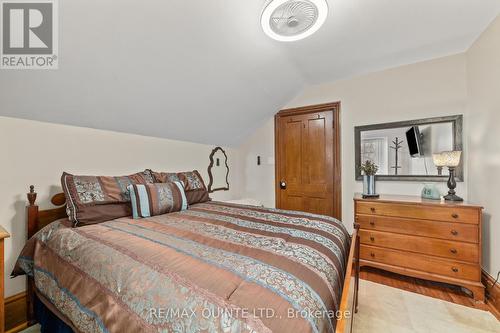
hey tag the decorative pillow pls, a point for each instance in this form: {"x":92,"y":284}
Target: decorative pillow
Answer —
{"x":156,"y":199}
{"x":195,"y":188}
{"x":165,"y":177}
{"x":196,"y":191}
{"x":94,"y":199}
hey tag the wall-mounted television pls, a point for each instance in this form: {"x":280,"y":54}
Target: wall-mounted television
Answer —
{"x":414,"y":140}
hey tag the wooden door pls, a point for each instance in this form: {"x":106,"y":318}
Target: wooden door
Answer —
{"x":307,"y":160}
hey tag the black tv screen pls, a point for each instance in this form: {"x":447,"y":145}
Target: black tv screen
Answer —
{"x":413,"y":139}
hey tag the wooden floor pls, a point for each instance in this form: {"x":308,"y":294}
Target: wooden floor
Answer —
{"x":437,"y":290}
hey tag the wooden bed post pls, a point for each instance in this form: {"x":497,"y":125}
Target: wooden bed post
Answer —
{"x":349,"y":299}
{"x":37,"y":219}
{"x":357,"y":264}
{"x":32,"y":228}
{"x":32,"y":212}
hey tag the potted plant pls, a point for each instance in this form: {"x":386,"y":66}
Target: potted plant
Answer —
{"x":369,"y":169}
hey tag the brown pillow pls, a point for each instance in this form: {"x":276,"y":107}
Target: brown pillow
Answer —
{"x":195,"y":188}
{"x":196,"y":191}
{"x":94,"y":199}
{"x":165,"y":177}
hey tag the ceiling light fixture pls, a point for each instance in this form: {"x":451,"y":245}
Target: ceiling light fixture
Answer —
{"x":291,"y":20}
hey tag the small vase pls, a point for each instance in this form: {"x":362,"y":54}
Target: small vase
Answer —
{"x":369,"y":185}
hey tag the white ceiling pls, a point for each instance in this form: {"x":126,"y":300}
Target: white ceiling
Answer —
{"x":203,"y":71}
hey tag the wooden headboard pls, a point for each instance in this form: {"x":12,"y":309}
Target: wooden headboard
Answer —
{"x":37,"y":219}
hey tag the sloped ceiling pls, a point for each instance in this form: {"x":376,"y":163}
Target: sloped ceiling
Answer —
{"x":203,"y":71}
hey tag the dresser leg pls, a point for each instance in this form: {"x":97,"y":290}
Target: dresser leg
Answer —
{"x":478,"y":293}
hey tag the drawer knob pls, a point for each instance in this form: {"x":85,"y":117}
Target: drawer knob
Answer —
{"x":454,"y":232}
{"x":372,"y":255}
{"x":372,"y":223}
{"x":454,"y":269}
{"x":454,"y":215}
{"x":454,"y":251}
{"x":372,"y":209}
{"x":372,"y":238}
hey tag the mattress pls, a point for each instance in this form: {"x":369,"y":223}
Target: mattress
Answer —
{"x":216,"y":267}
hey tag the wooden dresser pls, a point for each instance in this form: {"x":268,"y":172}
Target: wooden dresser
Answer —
{"x":3,"y":234}
{"x":422,"y":238}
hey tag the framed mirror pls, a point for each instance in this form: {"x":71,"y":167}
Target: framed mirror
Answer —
{"x":218,"y":171}
{"x":403,"y":150}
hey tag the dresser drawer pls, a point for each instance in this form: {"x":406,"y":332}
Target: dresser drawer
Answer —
{"x":444,"y":230}
{"x":420,"y":262}
{"x":423,"y":245}
{"x":434,"y":212}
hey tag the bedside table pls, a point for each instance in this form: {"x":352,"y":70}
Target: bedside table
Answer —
{"x":3,"y":234}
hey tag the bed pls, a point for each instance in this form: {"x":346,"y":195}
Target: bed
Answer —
{"x":216,"y":267}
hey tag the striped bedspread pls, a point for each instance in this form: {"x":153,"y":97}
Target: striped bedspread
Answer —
{"x":215,"y":267}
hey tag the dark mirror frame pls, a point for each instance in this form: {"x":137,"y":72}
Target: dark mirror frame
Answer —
{"x":457,"y":123}
{"x":212,"y":163}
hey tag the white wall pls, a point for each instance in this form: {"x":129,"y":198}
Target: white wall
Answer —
{"x":258,"y":181}
{"x":427,"y":89}
{"x":37,"y":153}
{"x":483,"y":77}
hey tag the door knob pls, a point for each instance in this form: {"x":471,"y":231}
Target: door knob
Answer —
{"x":282,"y":184}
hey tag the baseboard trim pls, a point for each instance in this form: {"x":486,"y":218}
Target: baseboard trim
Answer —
{"x":15,"y":313}
{"x":493,"y":294}
{"x":18,"y":329}
{"x":15,"y":297}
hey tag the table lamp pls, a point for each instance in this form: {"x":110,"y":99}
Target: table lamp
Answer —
{"x":451,"y":159}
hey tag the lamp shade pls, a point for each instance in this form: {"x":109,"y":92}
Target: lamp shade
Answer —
{"x":451,"y":159}
{"x":439,"y":160}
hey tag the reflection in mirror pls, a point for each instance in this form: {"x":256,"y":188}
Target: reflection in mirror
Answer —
{"x":397,"y":153}
{"x":403,"y":151}
{"x":218,"y":171}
